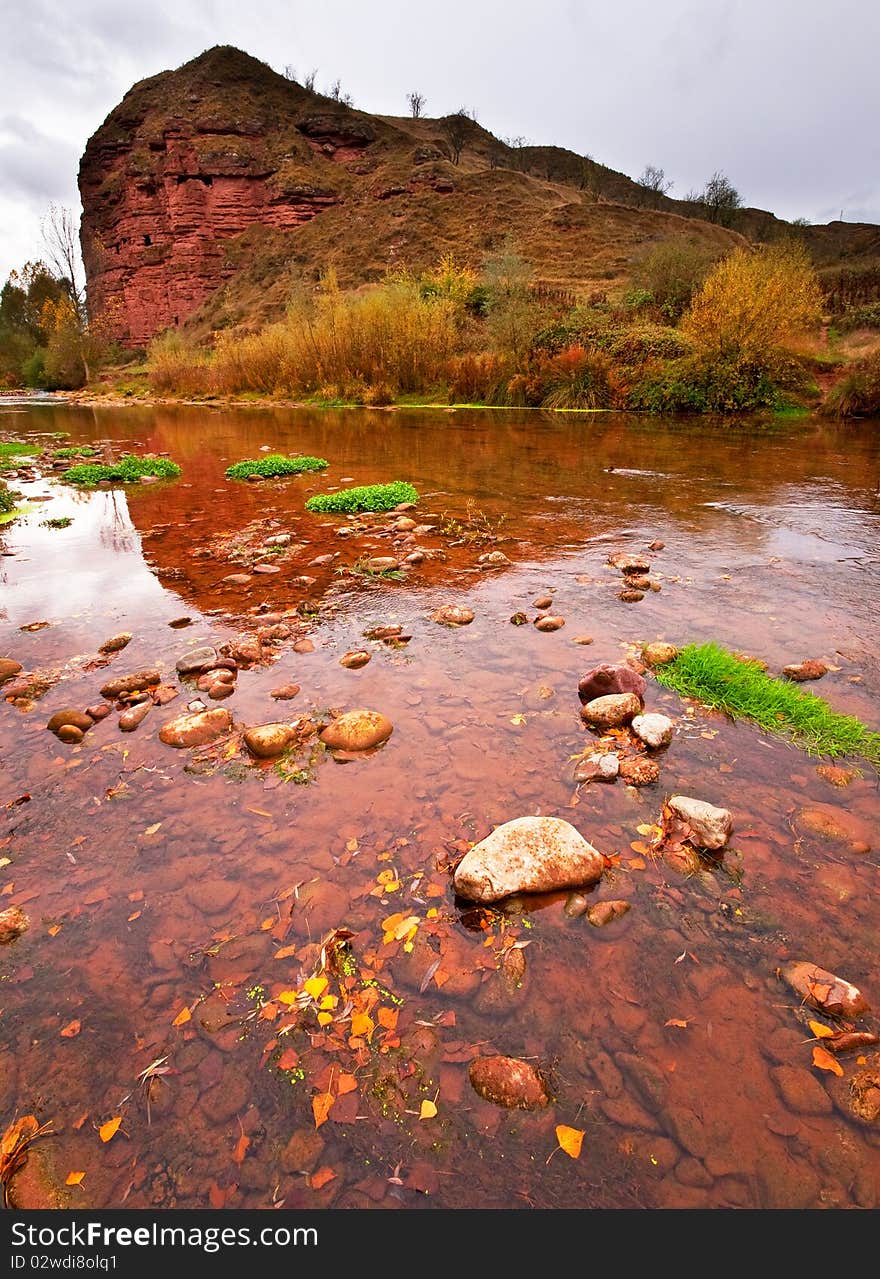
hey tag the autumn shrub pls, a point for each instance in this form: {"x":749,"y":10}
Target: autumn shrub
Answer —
{"x":647,"y":342}
{"x":670,"y":273}
{"x":177,"y":366}
{"x":753,"y":302}
{"x":578,"y":379}
{"x":703,"y":383}
{"x":477,"y":378}
{"x":858,"y":393}
{"x":386,"y":336}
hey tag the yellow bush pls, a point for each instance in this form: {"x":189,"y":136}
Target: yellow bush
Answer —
{"x":754,"y":301}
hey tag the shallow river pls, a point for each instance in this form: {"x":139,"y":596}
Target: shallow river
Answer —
{"x":180,"y":899}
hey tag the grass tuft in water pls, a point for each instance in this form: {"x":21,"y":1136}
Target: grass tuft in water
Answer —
{"x":17,"y":448}
{"x":368,"y":497}
{"x":129,"y":469}
{"x":274,"y":464}
{"x":711,"y":675}
{"x":81,"y":450}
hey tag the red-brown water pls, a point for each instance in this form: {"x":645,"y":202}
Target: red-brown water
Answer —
{"x":158,"y":880}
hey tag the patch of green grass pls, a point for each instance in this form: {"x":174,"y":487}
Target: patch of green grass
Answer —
{"x":722,"y":681}
{"x":274,"y":464}
{"x":128,"y":470}
{"x":17,"y":448}
{"x":367,"y":497}
{"x":7,"y":500}
{"x":59,"y":521}
{"x":84,"y":450}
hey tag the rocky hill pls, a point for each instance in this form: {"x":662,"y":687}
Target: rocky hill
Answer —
{"x":211,"y":188}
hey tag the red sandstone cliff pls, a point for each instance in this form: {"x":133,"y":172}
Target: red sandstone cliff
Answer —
{"x":208,"y":186}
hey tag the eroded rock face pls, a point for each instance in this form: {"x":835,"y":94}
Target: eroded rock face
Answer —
{"x":527,"y":855}
{"x":179,"y":169}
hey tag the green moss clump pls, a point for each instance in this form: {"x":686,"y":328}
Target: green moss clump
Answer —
{"x":84,"y":450}
{"x":7,"y":501}
{"x":368,"y":497}
{"x":17,"y":448}
{"x":725,"y":682}
{"x":128,"y":470}
{"x":274,"y":464}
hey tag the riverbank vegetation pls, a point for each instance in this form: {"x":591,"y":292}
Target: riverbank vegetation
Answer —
{"x":690,"y":335}
{"x":365,"y":497}
{"x":751,"y":330}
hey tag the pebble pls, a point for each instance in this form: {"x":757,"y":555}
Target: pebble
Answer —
{"x":70,"y":717}
{"x":543,"y":602}
{"x":357,"y":730}
{"x":70,"y":734}
{"x":116,"y":642}
{"x":549,"y":623}
{"x":285,"y":692}
{"x":612,"y":710}
{"x":639,"y":771}
{"x":508,"y":1082}
{"x":8,"y":668}
{"x":13,"y":922}
{"x":711,"y":826}
{"x":354,"y":659}
{"x":135,"y":715}
{"x":658,"y":653}
{"x":653,"y":729}
{"x":268,"y":740}
{"x":99,"y":711}
{"x":800,"y":672}
{"x":197,"y":660}
{"x":453,"y":615}
{"x":196,"y":729}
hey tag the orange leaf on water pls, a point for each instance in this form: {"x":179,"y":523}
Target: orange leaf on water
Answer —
{"x":216,"y":1196}
{"x":345,"y":1083}
{"x":321,"y":1177}
{"x":820,"y":1031}
{"x":54,"y":930}
{"x":182,"y":1017}
{"x":362,"y":1024}
{"x":107,"y":1131}
{"x":286,"y":952}
{"x":675,"y":1021}
{"x":321,"y":1104}
{"x":288,"y":1059}
{"x":71,"y":1030}
{"x":823,"y":1059}
{"x":74,"y":1178}
{"x":427,"y":1109}
{"x":240,"y":1150}
{"x":387,"y":1017}
{"x":570,"y":1139}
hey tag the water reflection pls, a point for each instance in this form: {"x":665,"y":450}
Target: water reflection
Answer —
{"x":160,"y":880}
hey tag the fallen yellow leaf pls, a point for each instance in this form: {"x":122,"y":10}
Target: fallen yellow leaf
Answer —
{"x":109,"y":1130}
{"x":287,"y":997}
{"x":151,"y":830}
{"x":675,"y":1021}
{"x":820,"y":1031}
{"x":362,"y":1024}
{"x":71,"y":1030}
{"x":428,"y":1110}
{"x":315,"y":986}
{"x":182,"y":1017}
{"x":285,"y":952}
{"x":570,"y":1139}
{"x":74,"y":1178}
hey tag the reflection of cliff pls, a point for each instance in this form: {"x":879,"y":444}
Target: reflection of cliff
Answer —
{"x":559,"y":482}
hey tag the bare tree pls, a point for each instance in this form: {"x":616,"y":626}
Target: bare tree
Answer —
{"x":654,"y":179}
{"x":517,"y":146}
{"x":416,"y":102}
{"x":309,"y":81}
{"x":720,"y":198}
{"x":335,"y":92}
{"x":61,"y":238}
{"x":289,"y":72}
{"x":455,"y":131}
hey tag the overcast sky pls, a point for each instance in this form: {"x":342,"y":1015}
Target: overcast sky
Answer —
{"x":783,"y":96}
